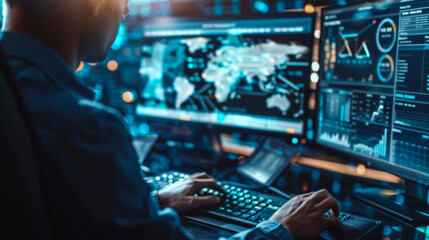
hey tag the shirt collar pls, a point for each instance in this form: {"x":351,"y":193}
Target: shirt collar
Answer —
{"x":29,"y":49}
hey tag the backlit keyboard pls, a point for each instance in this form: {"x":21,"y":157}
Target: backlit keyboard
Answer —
{"x":239,"y":204}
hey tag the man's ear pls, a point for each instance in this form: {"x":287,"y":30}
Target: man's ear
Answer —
{"x":96,"y":6}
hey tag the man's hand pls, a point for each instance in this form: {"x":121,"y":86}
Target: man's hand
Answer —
{"x":304,"y":216}
{"x":180,"y":195}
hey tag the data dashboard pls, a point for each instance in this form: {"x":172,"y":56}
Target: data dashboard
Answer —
{"x":374,"y":82}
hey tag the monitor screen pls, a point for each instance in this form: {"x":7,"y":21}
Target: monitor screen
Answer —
{"x":246,"y":73}
{"x":373,"y":97}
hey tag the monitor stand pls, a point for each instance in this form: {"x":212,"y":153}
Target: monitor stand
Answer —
{"x":409,"y":205}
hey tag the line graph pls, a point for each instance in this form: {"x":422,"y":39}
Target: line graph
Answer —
{"x":360,"y":49}
{"x":372,"y":146}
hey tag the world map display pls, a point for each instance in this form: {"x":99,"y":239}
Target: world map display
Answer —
{"x":260,"y":76}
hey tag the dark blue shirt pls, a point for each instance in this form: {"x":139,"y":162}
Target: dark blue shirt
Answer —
{"x":90,"y":168}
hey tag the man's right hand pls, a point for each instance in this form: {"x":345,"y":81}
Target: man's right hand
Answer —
{"x":304,"y":215}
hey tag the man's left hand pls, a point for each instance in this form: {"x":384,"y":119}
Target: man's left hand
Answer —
{"x":181,"y":195}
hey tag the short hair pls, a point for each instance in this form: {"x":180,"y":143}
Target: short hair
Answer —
{"x":31,"y":7}
{"x":18,"y":2}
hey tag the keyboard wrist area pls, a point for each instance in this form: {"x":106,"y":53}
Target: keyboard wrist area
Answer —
{"x":155,"y":198}
{"x":275,"y":230}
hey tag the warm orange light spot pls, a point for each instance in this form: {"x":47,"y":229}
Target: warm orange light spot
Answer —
{"x":361,"y":169}
{"x":185,"y":118}
{"x":305,"y":188}
{"x":112,"y":65}
{"x":81,"y":65}
{"x":290,"y":131}
{"x":92,"y":64}
{"x":303,"y":141}
{"x":309,"y":8}
{"x":128,"y":97}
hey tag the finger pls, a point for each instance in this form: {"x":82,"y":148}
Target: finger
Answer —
{"x":198,"y":184}
{"x":332,"y":223}
{"x":306,"y":195}
{"x":319,"y":196}
{"x":204,"y":201}
{"x":329,"y":204}
{"x":202,"y":175}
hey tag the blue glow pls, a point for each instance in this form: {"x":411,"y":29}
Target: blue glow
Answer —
{"x":144,"y":129}
{"x":261,"y":6}
{"x":134,"y":131}
{"x":387,"y":231}
{"x":121,"y":38}
{"x":295,"y":140}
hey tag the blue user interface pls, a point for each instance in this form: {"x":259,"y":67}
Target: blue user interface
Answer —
{"x":374,"y":82}
{"x":244,"y":73}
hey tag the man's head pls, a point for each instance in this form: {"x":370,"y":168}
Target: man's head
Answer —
{"x":92,"y":24}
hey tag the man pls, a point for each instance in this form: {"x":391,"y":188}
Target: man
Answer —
{"x":89,"y":169}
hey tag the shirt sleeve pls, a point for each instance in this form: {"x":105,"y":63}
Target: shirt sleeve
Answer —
{"x":104,"y":186}
{"x":266,"y":230}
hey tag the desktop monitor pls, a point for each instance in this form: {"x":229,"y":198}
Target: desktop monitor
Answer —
{"x":247,"y":73}
{"x":373,"y":96}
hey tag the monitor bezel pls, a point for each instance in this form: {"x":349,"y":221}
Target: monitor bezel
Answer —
{"x":218,"y":126}
{"x":403,"y":172}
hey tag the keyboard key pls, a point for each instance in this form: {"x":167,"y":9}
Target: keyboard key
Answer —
{"x":262,"y":205}
{"x":233,"y":203}
{"x":257,"y":208}
{"x":245,"y":216}
{"x":241,"y":205}
{"x":254,"y":197}
{"x":232,"y":188}
{"x":269,"y":201}
{"x":222,"y":208}
{"x":249,"y":206}
{"x":233,"y":193}
{"x":273,"y":207}
{"x":236,"y":214}
{"x":241,"y":199}
{"x":234,"y":197}
{"x":243,"y":210}
{"x":239,"y":189}
{"x":254,"y":219}
{"x":255,"y":203}
{"x":248,"y":201}
{"x":261,"y":199}
{"x":229,"y":211}
{"x":252,"y":212}
{"x":247,"y":196}
{"x":240,"y":194}
{"x":245,"y":191}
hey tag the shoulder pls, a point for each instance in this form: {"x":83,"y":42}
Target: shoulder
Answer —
{"x":92,"y":112}
{"x":25,"y":70}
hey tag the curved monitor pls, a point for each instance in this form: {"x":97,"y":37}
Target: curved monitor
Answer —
{"x":249,"y":73}
{"x":373,"y":96}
